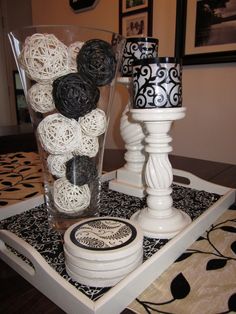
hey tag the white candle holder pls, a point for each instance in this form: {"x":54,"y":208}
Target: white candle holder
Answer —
{"x":130,"y":179}
{"x":160,"y":219}
{"x":157,"y":102}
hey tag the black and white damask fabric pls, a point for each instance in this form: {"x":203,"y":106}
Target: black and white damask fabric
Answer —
{"x":32,"y":226}
{"x":157,"y":84}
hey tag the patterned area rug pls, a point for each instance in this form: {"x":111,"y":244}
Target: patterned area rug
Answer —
{"x":210,"y":288}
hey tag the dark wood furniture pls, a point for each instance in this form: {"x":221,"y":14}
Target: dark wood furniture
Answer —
{"x":216,"y":172}
{"x":17,"y":138}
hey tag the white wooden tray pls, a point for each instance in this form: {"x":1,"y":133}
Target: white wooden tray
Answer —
{"x":66,"y":296}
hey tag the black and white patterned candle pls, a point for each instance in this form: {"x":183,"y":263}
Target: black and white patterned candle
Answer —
{"x":137,"y":48}
{"x":157,"y":83}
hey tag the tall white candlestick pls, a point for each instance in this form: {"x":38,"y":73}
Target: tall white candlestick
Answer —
{"x":159,"y":219}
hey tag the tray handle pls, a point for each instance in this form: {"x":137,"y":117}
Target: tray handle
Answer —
{"x":188,"y":179}
{"x":8,"y":241}
{"x":40,"y":274}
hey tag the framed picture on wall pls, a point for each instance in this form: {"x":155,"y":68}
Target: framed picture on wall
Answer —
{"x":131,"y":5}
{"x":208,"y":31}
{"x":135,"y":25}
{"x":135,"y":17}
{"x":79,"y":6}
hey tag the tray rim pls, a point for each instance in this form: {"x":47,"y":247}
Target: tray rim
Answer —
{"x":122,"y":294}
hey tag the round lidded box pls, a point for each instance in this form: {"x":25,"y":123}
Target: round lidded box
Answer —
{"x":102,"y":251}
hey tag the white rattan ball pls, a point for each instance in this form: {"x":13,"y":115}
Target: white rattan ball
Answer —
{"x":57,"y":164}
{"x":94,"y":123}
{"x":40,"y":98}
{"x":44,"y":58}
{"x":73,"y":51}
{"x":69,"y":197}
{"x":89,"y":146}
{"x":58,"y":134}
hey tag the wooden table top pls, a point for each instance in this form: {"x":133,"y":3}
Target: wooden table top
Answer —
{"x":216,"y":172}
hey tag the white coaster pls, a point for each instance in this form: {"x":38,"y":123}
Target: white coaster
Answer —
{"x":105,"y":274}
{"x":99,"y":252}
{"x":93,"y":282}
{"x":103,"y":239}
{"x":100,"y":266}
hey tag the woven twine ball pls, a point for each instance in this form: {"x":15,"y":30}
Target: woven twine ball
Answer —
{"x":75,"y":95}
{"x":94,"y":123}
{"x":40,"y":98}
{"x":58,"y":134}
{"x":44,"y":58}
{"x":73,"y":51}
{"x":81,"y":170}
{"x":70,"y":198}
{"x":89,"y":146}
{"x":96,"y":60}
{"x":57,"y":164}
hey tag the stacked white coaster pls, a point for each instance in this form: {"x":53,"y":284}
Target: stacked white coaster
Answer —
{"x":99,"y":252}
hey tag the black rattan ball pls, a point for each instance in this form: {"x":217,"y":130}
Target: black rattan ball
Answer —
{"x":75,"y":95}
{"x":81,"y":170}
{"x":97,"y":60}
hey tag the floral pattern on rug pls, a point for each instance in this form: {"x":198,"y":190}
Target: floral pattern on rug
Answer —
{"x":20,"y":177}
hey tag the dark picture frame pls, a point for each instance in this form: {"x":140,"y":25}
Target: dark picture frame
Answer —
{"x":79,"y":6}
{"x":22,"y":111}
{"x":135,"y":18}
{"x":191,"y":43}
{"x":131,"y":5}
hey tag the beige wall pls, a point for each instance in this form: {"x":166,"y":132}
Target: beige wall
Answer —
{"x":14,"y":14}
{"x":209,"y":129}
{"x":209,"y":91}
{"x":105,"y":16}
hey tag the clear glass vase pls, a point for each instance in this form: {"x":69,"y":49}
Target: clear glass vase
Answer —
{"x":68,"y":74}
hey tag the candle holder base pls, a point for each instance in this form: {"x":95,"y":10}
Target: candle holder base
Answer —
{"x":128,"y":182}
{"x":161,"y":227}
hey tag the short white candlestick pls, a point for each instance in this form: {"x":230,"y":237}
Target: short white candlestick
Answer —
{"x":159,"y":219}
{"x":130,"y":178}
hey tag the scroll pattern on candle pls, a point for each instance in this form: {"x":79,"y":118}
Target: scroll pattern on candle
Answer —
{"x":157,"y":85}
